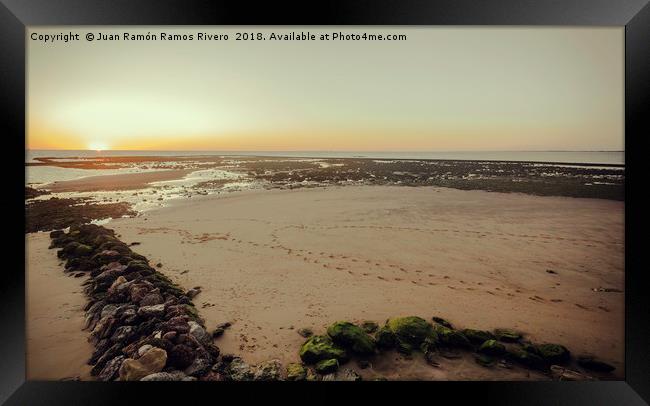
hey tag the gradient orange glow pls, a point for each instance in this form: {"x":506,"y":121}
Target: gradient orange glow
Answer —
{"x":443,"y":89}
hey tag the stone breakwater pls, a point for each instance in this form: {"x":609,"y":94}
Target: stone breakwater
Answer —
{"x":143,"y":326}
{"x":438,"y":339}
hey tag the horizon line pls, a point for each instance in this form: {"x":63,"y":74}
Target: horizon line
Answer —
{"x":326,"y":150}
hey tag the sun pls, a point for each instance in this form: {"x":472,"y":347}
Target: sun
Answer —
{"x":97,"y":146}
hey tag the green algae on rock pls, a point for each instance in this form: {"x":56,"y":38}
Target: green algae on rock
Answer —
{"x":477,"y":337}
{"x":492,"y":347}
{"x":369,"y":326}
{"x":507,"y":335}
{"x":452,"y":338}
{"x":553,"y":353}
{"x":385,"y":338}
{"x":412,"y":329}
{"x":296,"y":372}
{"x":318,"y":348}
{"x":442,"y":322}
{"x":351,"y":337}
{"x":327,"y":366}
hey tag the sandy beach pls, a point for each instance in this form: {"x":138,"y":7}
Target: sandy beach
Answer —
{"x":272,"y":262}
{"x":127,"y":181}
{"x":57,"y":348}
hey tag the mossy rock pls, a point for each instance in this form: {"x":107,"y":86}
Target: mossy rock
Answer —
{"x":452,"y":338}
{"x":369,"y":326}
{"x":192,"y":312}
{"x":385,"y":338}
{"x":319,"y":348}
{"x":554,"y":353}
{"x":526,"y":358}
{"x":484,"y":360}
{"x":403,"y":347}
{"x":83,"y":250}
{"x":429,"y":344}
{"x":477,"y":337}
{"x":412,"y":329}
{"x":296,"y":372}
{"x":352,"y":337}
{"x":507,"y":335}
{"x":442,"y":322}
{"x":327,"y":366}
{"x":592,"y":363}
{"x":492,"y":347}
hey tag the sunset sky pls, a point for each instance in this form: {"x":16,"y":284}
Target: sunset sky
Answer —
{"x":443,"y":89}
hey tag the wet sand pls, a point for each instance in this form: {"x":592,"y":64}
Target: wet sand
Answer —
{"x":56,"y":346}
{"x":127,"y":181}
{"x":275,"y":261}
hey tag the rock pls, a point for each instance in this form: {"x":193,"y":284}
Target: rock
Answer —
{"x":116,"y":284}
{"x":507,"y":335}
{"x":312,"y":375}
{"x":143,"y":349}
{"x":199,"y":332}
{"x":305,"y":332}
{"x":212,"y":376}
{"x":369,"y":326}
{"x":484,"y":360}
{"x":225,"y":325}
{"x":442,"y":322}
{"x":404,"y":348}
{"x":108,"y":355}
{"x":318,"y":348}
{"x":123,"y":334}
{"x":238,"y":370}
{"x":268,"y":371}
{"x":177,"y":324}
{"x":152,"y":311}
{"x":526,"y":358}
{"x":564,"y":374}
{"x":111,"y":369}
{"x":108,"y":310}
{"x":447,"y":336}
{"x":152,"y":298}
{"x":165,"y":376}
{"x":181,"y":356}
{"x":385,"y":338}
{"x":199,"y":367}
{"x":492,"y":347}
{"x":553,"y":353}
{"x":296,"y":372}
{"x":594,"y":364}
{"x":352,"y":337}
{"x":151,"y":362}
{"x":347,"y":374}
{"x":477,"y":337}
{"x":170,"y":335}
{"x":327,"y":366}
{"x":138,"y":292}
{"x":218,"y":332}
{"x":103,"y":328}
{"x":192,"y":293}
{"x":56,"y":234}
{"x":412,"y":330}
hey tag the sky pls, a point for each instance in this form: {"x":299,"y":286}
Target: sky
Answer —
{"x":443,"y":89}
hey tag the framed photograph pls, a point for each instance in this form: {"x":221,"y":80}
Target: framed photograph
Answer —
{"x":387,"y":199}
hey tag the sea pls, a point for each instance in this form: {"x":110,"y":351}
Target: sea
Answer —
{"x":159,"y":193}
{"x":616,"y":158}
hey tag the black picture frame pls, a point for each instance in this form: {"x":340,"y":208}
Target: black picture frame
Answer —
{"x":16,"y":15}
